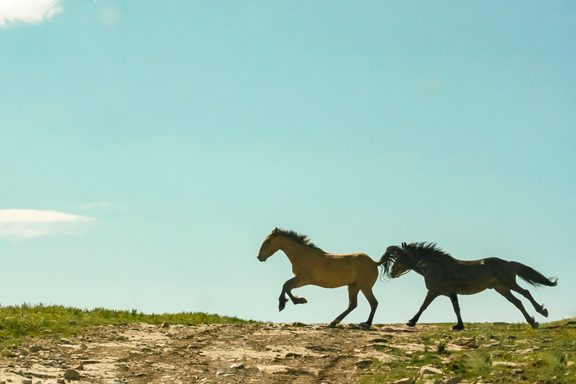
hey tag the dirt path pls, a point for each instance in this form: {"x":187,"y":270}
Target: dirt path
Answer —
{"x":249,"y":353}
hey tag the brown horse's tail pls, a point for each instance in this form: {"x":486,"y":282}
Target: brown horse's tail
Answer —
{"x":387,"y":260}
{"x":532,"y":276}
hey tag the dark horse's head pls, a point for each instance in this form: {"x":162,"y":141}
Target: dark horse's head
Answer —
{"x":398,"y":261}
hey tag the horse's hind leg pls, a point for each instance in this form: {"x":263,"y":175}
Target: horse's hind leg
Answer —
{"x":352,"y":304}
{"x":373,"y":305}
{"x":454,"y":299}
{"x":504,"y":291}
{"x":524,"y":292}
{"x":429,"y":299}
{"x":287,"y":288}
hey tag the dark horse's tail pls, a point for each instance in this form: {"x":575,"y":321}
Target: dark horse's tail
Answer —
{"x":533,"y":277}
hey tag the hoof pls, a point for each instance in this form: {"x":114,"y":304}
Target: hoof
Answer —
{"x":535,"y":325}
{"x":458,"y":327}
{"x":543,"y":311}
{"x":282,"y":304}
{"x":411,"y":323}
{"x":365,"y":325}
{"x":299,"y":300}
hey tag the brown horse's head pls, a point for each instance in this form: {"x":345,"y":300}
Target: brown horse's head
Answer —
{"x":269,"y":246}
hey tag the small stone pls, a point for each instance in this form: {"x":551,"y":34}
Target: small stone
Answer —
{"x":83,"y":346}
{"x":71,"y":374}
{"x":237,"y":366}
{"x":60,"y":381}
{"x":405,"y":380}
{"x":518,"y":371}
{"x":38,"y":382}
{"x":24,"y":353}
{"x":454,"y":380}
{"x":165,"y":325}
{"x":35,"y":348}
{"x":65,"y":341}
{"x":427,"y":370}
{"x":26,"y":381}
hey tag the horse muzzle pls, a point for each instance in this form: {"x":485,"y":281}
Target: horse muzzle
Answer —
{"x":261,"y":258}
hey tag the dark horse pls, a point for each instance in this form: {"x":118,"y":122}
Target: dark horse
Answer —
{"x":311,"y":265}
{"x":447,"y":276}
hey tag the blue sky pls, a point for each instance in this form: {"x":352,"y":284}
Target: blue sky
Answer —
{"x":147,"y":149}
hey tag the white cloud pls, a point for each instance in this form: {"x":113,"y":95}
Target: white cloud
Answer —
{"x":26,"y":223}
{"x":27,"y":11}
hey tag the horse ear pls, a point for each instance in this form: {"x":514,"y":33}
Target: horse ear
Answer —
{"x":275,"y":230}
{"x":404,"y":245}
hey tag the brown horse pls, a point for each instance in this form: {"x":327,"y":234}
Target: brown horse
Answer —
{"x":311,"y":265}
{"x":447,"y":276}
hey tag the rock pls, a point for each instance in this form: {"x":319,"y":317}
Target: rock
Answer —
{"x":26,"y":381}
{"x":273,"y":368}
{"x":83,"y":346}
{"x":71,"y":374}
{"x":35,"y":348}
{"x":237,"y":366}
{"x":24,"y":353}
{"x":165,"y":325}
{"x":299,"y":324}
{"x":65,"y":341}
{"x":292,"y":354}
{"x":506,"y":363}
{"x":454,"y":380}
{"x":427,"y":370}
{"x":60,"y":381}
{"x":363,"y":364}
{"x":403,"y":381}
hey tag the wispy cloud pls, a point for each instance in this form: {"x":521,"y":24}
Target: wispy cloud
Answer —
{"x":97,"y":204}
{"x":27,"y":11}
{"x":27,"y":223}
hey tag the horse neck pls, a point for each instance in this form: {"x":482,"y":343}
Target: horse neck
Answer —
{"x":296,"y":252}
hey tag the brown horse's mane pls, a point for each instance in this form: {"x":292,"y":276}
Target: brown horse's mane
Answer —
{"x":297,"y":237}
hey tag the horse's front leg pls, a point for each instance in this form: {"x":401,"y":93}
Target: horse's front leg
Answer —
{"x":429,"y":299}
{"x":287,"y":288}
{"x":460,"y":325}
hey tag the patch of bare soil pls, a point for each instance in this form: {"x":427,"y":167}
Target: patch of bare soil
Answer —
{"x":248,"y":353}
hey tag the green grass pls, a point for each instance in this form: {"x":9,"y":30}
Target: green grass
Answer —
{"x":546,"y":357}
{"x":25,"y":321}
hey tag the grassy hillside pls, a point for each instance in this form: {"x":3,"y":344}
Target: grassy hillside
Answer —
{"x":28,"y":321}
{"x":495,"y":353}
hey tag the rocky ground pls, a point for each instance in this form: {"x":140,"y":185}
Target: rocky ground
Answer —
{"x":247,"y":353}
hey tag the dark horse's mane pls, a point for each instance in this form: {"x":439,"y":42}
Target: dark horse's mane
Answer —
{"x":297,"y":237}
{"x":410,"y":255}
{"x":425,"y":249}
